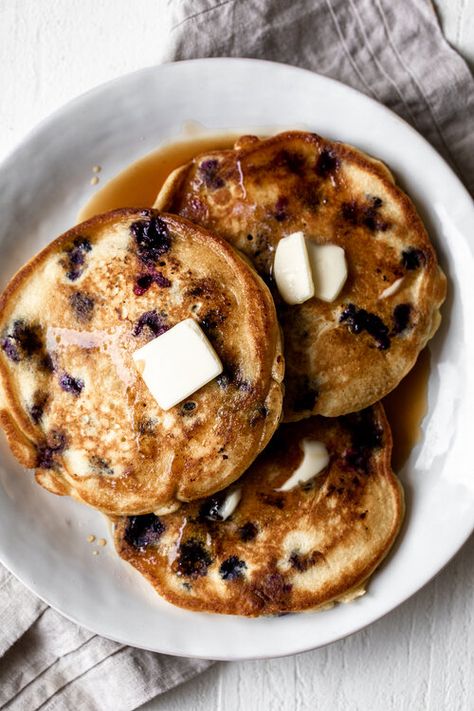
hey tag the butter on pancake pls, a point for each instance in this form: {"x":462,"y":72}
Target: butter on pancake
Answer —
{"x":280,"y":551}
{"x":342,"y":353}
{"x":74,"y":406}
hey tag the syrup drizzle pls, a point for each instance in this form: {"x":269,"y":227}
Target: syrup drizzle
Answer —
{"x":139,"y":184}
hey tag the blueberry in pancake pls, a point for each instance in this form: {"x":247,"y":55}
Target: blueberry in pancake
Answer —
{"x":374,"y":287}
{"x":306,"y":526}
{"x":78,"y":329}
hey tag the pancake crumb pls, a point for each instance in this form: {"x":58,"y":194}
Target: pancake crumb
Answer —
{"x":102,"y":542}
{"x":94,"y":180}
{"x":90,"y":538}
{"x":96,"y":168}
{"x":95,"y":552}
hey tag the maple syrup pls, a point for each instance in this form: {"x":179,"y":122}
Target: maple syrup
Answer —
{"x":406,"y":407}
{"x":138,"y":186}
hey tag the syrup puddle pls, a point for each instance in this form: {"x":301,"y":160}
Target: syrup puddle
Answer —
{"x":406,"y":406}
{"x":139,"y":184}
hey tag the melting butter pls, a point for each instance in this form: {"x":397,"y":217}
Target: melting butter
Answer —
{"x":292,"y":269}
{"x":177,"y":364}
{"x":392,"y":289}
{"x":329,"y":269}
{"x":315,"y":459}
{"x":230,"y":503}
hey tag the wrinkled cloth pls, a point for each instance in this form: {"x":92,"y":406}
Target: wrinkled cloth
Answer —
{"x":393,"y":52}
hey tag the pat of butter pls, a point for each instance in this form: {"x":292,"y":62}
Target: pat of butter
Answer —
{"x":292,"y":269}
{"x":177,"y":363}
{"x":230,"y":503}
{"x":315,"y":459}
{"x":392,"y":289}
{"x":329,"y":269}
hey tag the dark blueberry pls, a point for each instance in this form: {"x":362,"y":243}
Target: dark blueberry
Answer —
{"x":193,"y":559}
{"x":71,"y":385}
{"x":143,"y":531}
{"x":304,"y":562}
{"x":211,"y":321}
{"x":360,"y":320}
{"x":209,"y":172}
{"x":46,"y":452}
{"x":241,"y":383}
{"x":413,"y":258}
{"x":152,"y":238}
{"x":327,"y":163}
{"x":151,"y":320}
{"x":82,"y":304}
{"x":83,"y":243}
{"x":223,"y":380}
{"x":366,"y":435}
{"x":77,"y":257}
{"x":401,"y":318}
{"x":142,"y":284}
{"x":161,"y":280}
{"x":350,"y":212}
{"x":272,"y":500}
{"x":306,"y":394}
{"x":280,"y":210}
{"x":210,"y":508}
{"x":364,"y":215}
{"x":74,"y":274}
{"x":272,"y":588}
{"x":248,"y":531}
{"x":372,"y":220}
{"x":101,"y":465}
{"x":144,"y":281}
{"x":56,"y":440}
{"x":28,"y":337}
{"x":37,"y":408}
{"x":188,"y":407}
{"x":232,"y":568}
{"x":45,"y":457}
{"x":11,"y":350}
{"x":294,"y":162}
{"x":47,"y":363}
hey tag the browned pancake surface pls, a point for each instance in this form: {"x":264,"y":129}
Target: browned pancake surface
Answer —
{"x":71,"y":402}
{"x":280,"y":552}
{"x":345,"y":355}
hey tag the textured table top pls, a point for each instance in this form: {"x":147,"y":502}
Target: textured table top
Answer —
{"x":421,"y":656}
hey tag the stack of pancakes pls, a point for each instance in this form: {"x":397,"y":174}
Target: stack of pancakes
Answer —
{"x":73,"y":406}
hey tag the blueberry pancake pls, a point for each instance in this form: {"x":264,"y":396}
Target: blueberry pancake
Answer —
{"x":345,"y":354}
{"x":72,"y":403}
{"x":281,"y":549}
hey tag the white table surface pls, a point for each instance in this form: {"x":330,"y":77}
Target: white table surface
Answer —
{"x":421,"y":656}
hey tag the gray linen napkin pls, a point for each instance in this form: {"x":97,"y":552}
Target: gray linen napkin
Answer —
{"x":394,"y":52}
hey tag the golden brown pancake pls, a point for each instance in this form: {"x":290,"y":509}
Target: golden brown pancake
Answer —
{"x":280,"y":552}
{"x":71,"y":402}
{"x":344,"y":355}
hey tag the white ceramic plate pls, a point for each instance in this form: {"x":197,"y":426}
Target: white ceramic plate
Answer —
{"x":43,"y":185}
